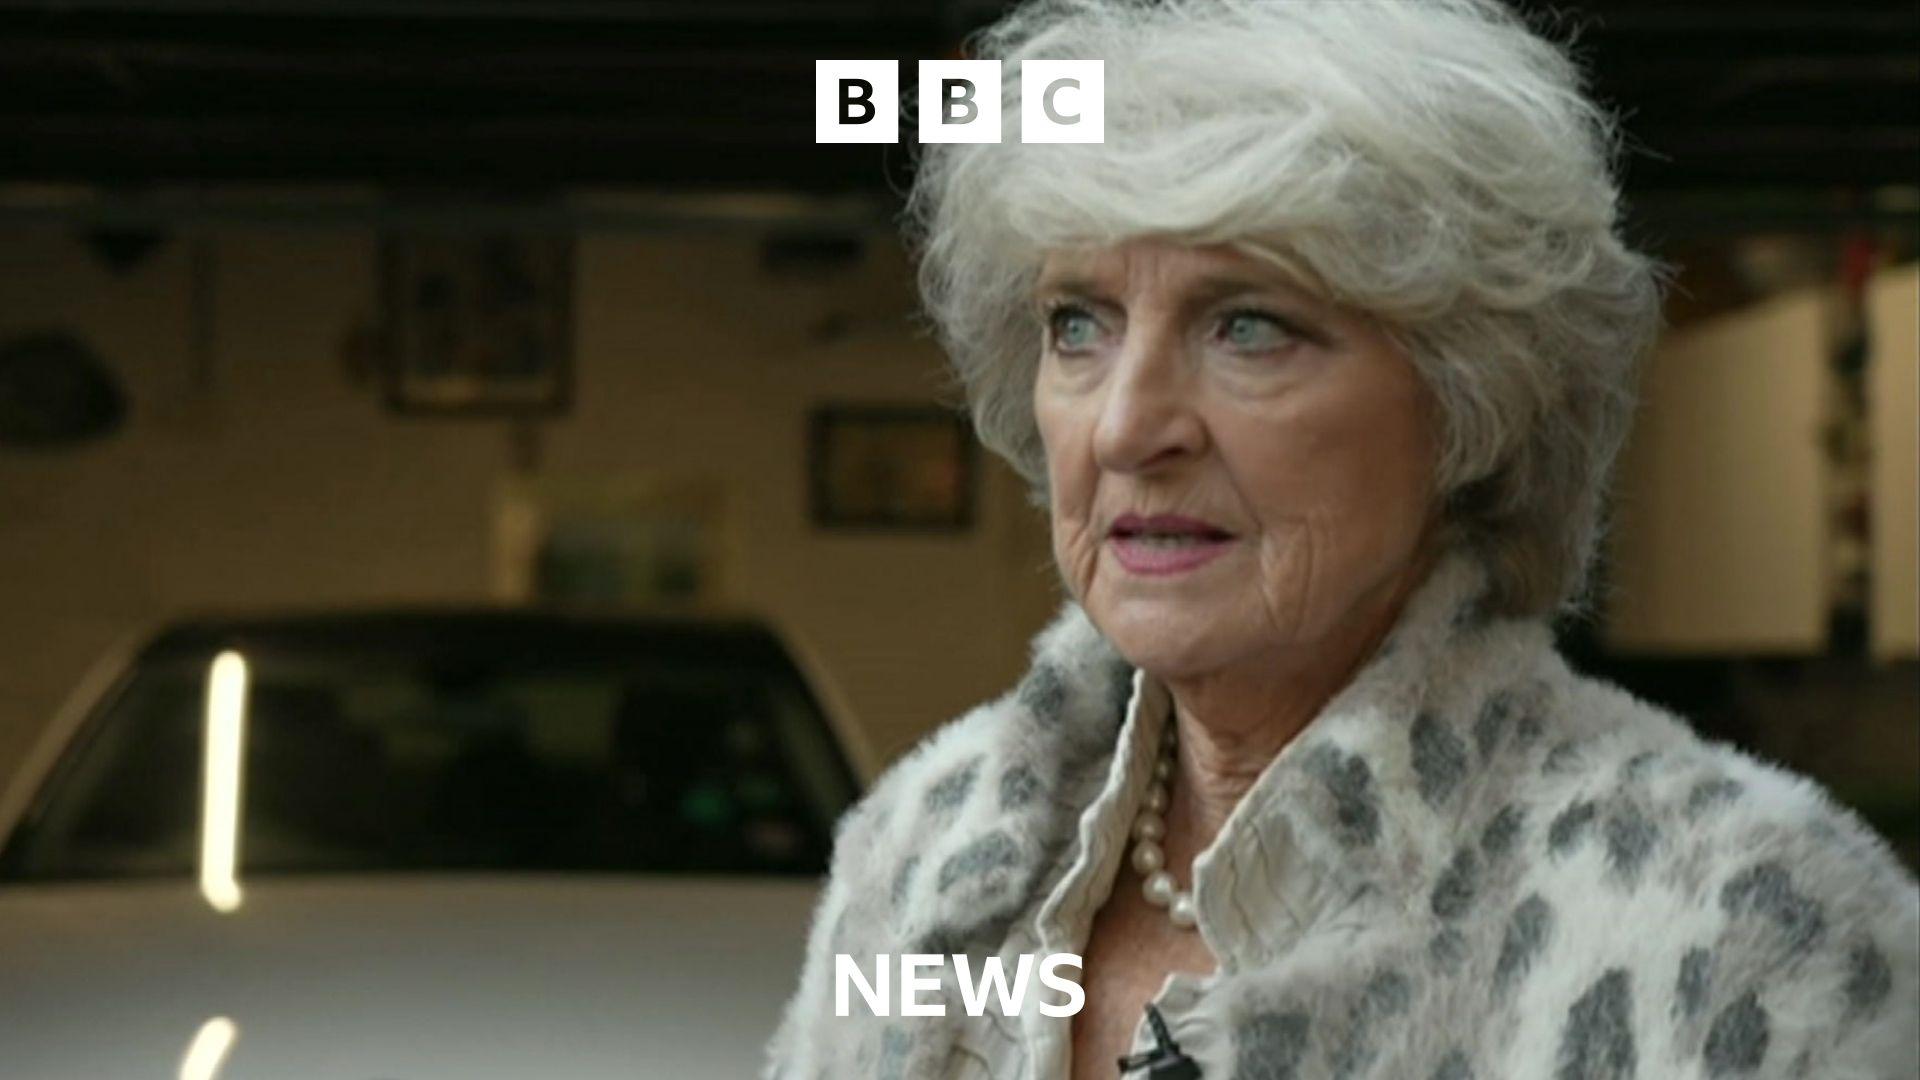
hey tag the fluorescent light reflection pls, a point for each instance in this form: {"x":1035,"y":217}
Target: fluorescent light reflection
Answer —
{"x":220,"y":805}
{"x":209,"y":1048}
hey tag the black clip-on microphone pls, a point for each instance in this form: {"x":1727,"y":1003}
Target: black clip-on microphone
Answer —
{"x":1164,"y":1061}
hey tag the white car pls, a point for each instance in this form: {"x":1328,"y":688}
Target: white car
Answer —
{"x":415,"y":846}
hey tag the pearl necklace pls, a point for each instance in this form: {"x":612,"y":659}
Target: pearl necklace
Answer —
{"x":1149,"y":828}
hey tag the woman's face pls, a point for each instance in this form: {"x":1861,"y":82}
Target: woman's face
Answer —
{"x":1235,"y":466}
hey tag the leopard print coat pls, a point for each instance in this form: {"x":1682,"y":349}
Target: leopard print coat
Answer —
{"x":1474,"y":864}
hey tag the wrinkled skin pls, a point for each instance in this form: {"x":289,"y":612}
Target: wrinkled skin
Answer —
{"x":1296,"y":426}
{"x":1310,"y":440}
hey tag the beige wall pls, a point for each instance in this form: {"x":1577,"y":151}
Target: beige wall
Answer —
{"x":1893,"y":389}
{"x":1719,"y":542}
{"x":1723,"y":534}
{"x":282,"y":481}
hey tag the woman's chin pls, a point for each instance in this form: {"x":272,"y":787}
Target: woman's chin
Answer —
{"x":1168,"y":639}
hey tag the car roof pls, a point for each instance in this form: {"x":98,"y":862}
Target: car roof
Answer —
{"x":427,"y":631}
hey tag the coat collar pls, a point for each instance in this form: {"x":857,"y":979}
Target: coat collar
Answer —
{"x":975,"y":843}
{"x":1363,"y":806}
{"x":1362,"y":809}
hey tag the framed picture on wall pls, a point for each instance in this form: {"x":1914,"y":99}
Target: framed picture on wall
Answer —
{"x":479,"y":323}
{"x":890,"y":467}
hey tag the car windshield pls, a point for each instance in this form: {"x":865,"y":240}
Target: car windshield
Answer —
{"x":457,"y":750}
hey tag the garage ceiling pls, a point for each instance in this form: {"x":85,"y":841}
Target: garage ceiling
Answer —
{"x":716,"y":95}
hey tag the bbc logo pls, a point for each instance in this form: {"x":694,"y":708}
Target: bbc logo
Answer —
{"x":1061,"y":101}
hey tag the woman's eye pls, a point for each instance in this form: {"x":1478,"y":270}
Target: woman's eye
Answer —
{"x":1255,"y":331}
{"x":1071,"y":327}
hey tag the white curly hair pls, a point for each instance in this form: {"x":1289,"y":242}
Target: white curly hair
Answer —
{"x":1436,"y":164}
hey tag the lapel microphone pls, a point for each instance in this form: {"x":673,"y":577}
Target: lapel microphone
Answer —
{"x":1164,"y":1061}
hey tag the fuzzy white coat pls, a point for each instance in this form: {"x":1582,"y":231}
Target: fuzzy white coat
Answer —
{"x":1474,"y":863}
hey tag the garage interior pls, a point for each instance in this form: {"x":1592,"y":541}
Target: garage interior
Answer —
{"x":218,"y":209}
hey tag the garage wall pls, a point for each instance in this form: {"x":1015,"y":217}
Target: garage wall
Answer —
{"x":1707,"y":560}
{"x":276,"y":477}
{"x":1724,"y":536}
{"x":1893,"y":388}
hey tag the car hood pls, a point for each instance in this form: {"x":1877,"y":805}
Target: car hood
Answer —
{"x":400,"y":978}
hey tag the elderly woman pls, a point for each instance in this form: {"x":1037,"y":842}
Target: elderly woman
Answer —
{"x":1320,"y":363}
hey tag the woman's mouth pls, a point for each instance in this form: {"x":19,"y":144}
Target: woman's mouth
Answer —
{"x":1165,"y":543}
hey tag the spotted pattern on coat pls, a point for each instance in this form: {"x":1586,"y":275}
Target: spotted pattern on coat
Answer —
{"x":896,"y":1043}
{"x":981,"y":933}
{"x":1271,"y":1045}
{"x":1564,"y":757}
{"x":1018,"y":787}
{"x":1639,"y":765}
{"x":1596,"y":1042}
{"x":1630,"y":839}
{"x":1349,"y":781}
{"x":1528,"y":731}
{"x":1492,"y":723}
{"x":1696,"y":977}
{"x":1571,"y":826}
{"x":1869,"y":980}
{"x":947,"y":793}
{"x":1526,"y":935}
{"x":1447,"y":950}
{"x":1454,"y":1066}
{"x":903,"y":880}
{"x":990,"y":877}
{"x":1766,"y":888}
{"x":1386,"y":996}
{"x":1737,"y":1041}
{"x":1708,"y":794}
{"x":1454,"y":891}
{"x":1503,"y":831}
{"x":1044,"y":693}
{"x":994,"y":851}
{"x":1439,"y":758}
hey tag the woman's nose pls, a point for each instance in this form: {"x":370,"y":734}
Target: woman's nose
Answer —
{"x":1148,"y":416}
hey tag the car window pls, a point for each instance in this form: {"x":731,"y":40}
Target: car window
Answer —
{"x":356,"y":763}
